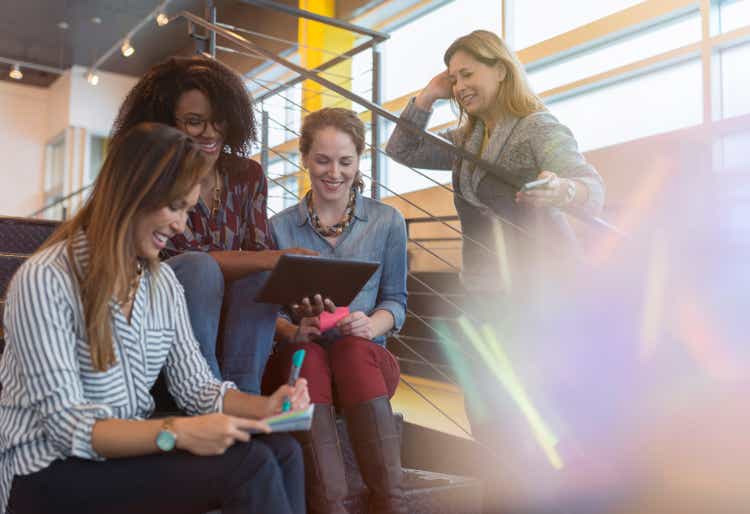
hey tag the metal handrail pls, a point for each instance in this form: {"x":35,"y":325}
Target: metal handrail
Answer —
{"x":304,"y":73}
{"x":60,"y":200}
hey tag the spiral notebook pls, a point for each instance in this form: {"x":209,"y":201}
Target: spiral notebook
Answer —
{"x":289,"y":421}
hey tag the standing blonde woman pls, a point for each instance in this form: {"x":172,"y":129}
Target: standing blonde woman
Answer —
{"x":503,"y":122}
{"x":509,"y":269}
{"x":91,"y":319}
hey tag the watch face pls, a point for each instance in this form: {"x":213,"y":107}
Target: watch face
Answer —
{"x":165,"y":441}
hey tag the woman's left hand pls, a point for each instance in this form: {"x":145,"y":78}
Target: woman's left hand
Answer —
{"x":356,"y":324}
{"x":298,"y":395}
{"x":553,"y":194}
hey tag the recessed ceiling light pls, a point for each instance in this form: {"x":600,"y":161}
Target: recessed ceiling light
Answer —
{"x":127,"y":49}
{"x":92,"y":78}
{"x":63,"y":25}
{"x":96,"y":19}
{"x":15,"y":72}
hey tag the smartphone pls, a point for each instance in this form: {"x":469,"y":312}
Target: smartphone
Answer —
{"x":535,"y":184}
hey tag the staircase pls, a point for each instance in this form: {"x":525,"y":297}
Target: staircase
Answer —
{"x":428,"y":490}
{"x":426,"y":313}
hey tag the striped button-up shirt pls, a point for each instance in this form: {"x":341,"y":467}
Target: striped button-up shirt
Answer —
{"x":52,"y":395}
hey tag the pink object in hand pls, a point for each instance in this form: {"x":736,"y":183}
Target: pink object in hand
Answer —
{"x":328,"y":320}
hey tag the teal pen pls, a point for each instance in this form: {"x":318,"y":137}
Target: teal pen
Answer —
{"x":297,"y":359}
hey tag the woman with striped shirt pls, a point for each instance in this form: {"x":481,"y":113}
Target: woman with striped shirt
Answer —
{"x":91,"y":320}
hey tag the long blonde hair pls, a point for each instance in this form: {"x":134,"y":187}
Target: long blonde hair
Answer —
{"x":150,"y":166}
{"x":515,"y":95}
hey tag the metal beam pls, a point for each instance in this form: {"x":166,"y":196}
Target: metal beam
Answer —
{"x":377,"y":109}
{"x":328,"y":64}
{"x":300,"y":13}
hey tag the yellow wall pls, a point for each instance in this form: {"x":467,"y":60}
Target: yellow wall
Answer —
{"x":320,"y":43}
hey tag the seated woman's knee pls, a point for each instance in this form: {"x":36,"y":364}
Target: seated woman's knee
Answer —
{"x":198,"y":269}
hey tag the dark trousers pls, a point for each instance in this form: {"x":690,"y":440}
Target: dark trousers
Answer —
{"x":264,"y":476}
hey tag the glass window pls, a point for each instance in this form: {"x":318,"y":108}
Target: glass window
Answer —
{"x":537,"y":20}
{"x":362,"y":77}
{"x":283,"y":115}
{"x":735,"y":80}
{"x":97,"y":152}
{"x":734,"y":14}
{"x":641,"y":45}
{"x":731,"y":153}
{"x":54,"y":177}
{"x":659,"y":101}
{"x":414,"y":52}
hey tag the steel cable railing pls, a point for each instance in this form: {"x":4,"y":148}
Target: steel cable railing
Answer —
{"x":398,"y":195}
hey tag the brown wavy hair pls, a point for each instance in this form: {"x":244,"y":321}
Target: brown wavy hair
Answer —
{"x":150,"y":166}
{"x":155,"y":96}
{"x":341,"y":119}
{"x":515,"y":95}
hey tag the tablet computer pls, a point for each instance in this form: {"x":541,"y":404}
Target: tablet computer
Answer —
{"x":298,"y":276}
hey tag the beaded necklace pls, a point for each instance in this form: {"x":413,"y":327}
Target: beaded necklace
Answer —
{"x":338,"y":228}
{"x":133,"y":288}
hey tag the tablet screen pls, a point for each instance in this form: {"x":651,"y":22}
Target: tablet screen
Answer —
{"x":299,"y":276}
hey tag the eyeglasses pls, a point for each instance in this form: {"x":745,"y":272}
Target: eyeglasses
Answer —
{"x":195,"y":125}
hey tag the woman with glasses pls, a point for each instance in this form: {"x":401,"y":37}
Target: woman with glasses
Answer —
{"x":224,"y":254}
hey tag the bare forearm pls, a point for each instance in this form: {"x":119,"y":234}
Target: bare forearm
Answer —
{"x":244,"y":405}
{"x":285,"y":330}
{"x":114,"y":438}
{"x":382,"y":322}
{"x":236,"y":264}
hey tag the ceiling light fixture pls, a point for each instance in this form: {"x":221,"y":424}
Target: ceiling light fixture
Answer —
{"x":92,"y":78}
{"x":15,"y":72}
{"x":127,"y":49}
{"x":162,"y":19}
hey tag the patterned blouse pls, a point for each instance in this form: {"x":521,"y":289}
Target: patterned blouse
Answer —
{"x":241,"y":222}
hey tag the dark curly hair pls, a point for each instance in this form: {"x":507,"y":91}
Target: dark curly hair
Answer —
{"x":155,"y":96}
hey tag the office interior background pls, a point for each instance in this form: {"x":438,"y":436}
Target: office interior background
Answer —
{"x":656,"y":93}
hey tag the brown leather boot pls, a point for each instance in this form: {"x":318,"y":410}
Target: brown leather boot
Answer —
{"x":325,"y":476}
{"x":377,"y":446}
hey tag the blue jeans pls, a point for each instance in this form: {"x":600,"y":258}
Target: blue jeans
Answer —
{"x":247,"y":327}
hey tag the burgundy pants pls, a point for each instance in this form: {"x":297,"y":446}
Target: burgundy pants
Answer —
{"x":352,"y":370}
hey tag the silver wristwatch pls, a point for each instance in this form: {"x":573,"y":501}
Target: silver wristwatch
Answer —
{"x":570,"y":192}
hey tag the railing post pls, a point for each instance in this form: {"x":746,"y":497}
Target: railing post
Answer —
{"x":264,"y":141}
{"x":376,"y":158}
{"x":211,"y":15}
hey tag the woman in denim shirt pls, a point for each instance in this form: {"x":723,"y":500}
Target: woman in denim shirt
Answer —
{"x":335,"y":220}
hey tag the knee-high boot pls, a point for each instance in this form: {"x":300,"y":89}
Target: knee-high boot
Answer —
{"x":377,"y":446}
{"x":325,"y":476}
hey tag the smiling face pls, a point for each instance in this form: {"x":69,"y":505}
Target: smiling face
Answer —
{"x":475,"y":85}
{"x":153,"y":229}
{"x":333,"y":164}
{"x":194,"y":116}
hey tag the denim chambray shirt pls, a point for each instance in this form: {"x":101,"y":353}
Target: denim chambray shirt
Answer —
{"x":377,"y":233}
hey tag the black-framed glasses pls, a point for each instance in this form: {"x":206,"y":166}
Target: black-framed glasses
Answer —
{"x":196,"y":125}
